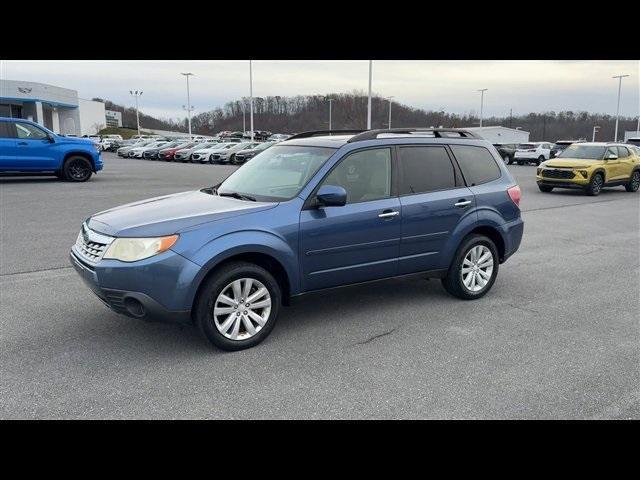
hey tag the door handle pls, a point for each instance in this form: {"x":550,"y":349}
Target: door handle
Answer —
{"x":462,"y":203}
{"x":388,"y":214}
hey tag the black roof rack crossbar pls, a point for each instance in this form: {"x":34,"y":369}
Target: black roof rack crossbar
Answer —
{"x":317,"y":133}
{"x":437,"y":132}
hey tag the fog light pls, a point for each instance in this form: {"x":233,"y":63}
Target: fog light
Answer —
{"x":539,"y":171}
{"x":584,"y":173}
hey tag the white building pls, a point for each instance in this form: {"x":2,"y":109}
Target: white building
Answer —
{"x":58,"y":109}
{"x":631,"y":134}
{"x":499,"y":134}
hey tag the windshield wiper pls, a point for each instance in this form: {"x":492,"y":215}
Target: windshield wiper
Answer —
{"x":239,"y":196}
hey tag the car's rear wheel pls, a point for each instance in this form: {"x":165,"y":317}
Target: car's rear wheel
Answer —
{"x":474,"y":268}
{"x":540,"y":160}
{"x":77,"y":169}
{"x":595,"y":185}
{"x":507,"y":160}
{"x":634,"y":182}
{"x":520,"y":162}
{"x":545,"y":188}
{"x":238,"y":306}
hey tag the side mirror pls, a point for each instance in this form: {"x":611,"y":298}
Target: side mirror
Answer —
{"x":331,"y":196}
{"x":51,"y":138}
{"x":611,"y":156}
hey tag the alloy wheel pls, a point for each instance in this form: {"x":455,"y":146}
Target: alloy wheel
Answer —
{"x":477,"y":268}
{"x":635,"y":181}
{"x":242,"y":309}
{"x":78,"y":170}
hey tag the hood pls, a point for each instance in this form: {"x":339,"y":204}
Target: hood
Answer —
{"x":170,"y":214}
{"x":74,"y":140}
{"x":570,"y":162}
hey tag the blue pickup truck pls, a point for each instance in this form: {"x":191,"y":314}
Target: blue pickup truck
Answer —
{"x":26,"y":147}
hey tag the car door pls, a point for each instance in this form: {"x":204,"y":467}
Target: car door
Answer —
{"x":35,"y":151}
{"x":7,"y":146}
{"x":612,"y":164}
{"x":433,"y":199}
{"x":360,"y":240}
{"x":626,"y":162}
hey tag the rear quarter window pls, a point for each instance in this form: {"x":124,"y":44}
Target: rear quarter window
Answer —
{"x":477,"y":164}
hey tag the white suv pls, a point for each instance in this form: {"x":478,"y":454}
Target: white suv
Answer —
{"x":533,"y":152}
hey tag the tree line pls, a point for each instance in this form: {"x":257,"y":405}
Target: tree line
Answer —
{"x":300,"y":113}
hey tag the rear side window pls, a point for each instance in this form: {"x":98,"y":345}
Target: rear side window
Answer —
{"x":477,"y":164}
{"x":425,"y":169}
{"x":623,"y":152}
{"x":5,"y":132}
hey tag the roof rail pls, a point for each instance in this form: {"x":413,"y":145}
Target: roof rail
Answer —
{"x":437,"y":132}
{"x":317,"y":133}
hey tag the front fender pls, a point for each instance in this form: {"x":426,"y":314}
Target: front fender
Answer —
{"x":229,"y":245}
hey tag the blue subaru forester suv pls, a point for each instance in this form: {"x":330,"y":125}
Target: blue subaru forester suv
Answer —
{"x":320,"y":210}
{"x":26,"y":147}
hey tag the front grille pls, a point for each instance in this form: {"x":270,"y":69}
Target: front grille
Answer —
{"x":91,"y":245}
{"x":557,"y":173}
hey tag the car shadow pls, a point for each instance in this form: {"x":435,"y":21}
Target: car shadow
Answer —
{"x":15,"y":179}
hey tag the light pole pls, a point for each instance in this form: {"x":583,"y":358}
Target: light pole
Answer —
{"x":188,"y":74}
{"x":390,"y":98}
{"x":619,"y":77}
{"x":244,"y":111}
{"x":369,"y":101}
{"x":595,"y":129}
{"x":189,"y":110}
{"x":251,"y":97}
{"x":482,"y":90}
{"x":329,"y":100}
{"x":137,"y":94}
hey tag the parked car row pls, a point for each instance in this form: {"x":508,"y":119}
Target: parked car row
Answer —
{"x":223,"y":151}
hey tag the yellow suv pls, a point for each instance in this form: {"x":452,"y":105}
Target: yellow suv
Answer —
{"x":591,"y":166}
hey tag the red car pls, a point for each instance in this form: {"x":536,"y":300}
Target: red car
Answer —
{"x":168,"y":153}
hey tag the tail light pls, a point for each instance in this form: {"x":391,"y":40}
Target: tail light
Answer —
{"x":515,"y":194}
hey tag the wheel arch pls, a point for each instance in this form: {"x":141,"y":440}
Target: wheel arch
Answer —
{"x":79,"y":153}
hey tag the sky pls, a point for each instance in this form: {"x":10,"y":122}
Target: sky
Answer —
{"x":452,"y":86}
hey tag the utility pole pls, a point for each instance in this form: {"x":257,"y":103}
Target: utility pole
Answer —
{"x":482,"y":90}
{"x":137,"y":94}
{"x":369,"y":101}
{"x":619,"y":77}
{"x":188,"y":74}
{"x":510,"y":117}
{"x":251,"y":96}
{"x":390,"y":99}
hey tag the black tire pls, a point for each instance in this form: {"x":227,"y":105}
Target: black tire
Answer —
{"x":634,"y":182}
{"x":540,"y":160}
{"x":595,"y":185}
{"x":453,"y":283}
{"x":545,"y":188}
{"x":520,"y":162}
{"x":77,"y":169}
{"x":211,"y":160}
{"x":215,"y":284}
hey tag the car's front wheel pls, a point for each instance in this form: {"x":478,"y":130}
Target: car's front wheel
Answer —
{"x":474,"y":268}
{"x":595,"y":185}
{"x":540,"y":160}
{"x":634,"y":182}
{"x":77,"y":169}
{"x":238,"y":306}
{"x":507,"y":160}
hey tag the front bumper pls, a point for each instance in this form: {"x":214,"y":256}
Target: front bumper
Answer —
{"x":578,"y":181}
{"x":159,"y":288}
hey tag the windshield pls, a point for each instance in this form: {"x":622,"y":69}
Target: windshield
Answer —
{"x":583,"y":152}
{"x":278,"y":173}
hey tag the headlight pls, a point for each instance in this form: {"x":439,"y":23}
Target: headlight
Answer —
{"x":132,"y":249}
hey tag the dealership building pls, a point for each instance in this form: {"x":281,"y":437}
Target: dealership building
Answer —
{"x":58,"y":109}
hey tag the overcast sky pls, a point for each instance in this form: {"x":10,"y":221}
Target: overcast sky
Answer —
{"x":524,"y":86}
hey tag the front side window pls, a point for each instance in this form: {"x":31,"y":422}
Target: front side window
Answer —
{"x":27,"y":131}
{"x":425,"y":169}
{"x":278,"y":173}
{"x":477,"y":164}
{"x":365,"y":175}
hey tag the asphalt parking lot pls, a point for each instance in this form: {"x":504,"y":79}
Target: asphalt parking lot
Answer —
{"x":557,"y":337}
